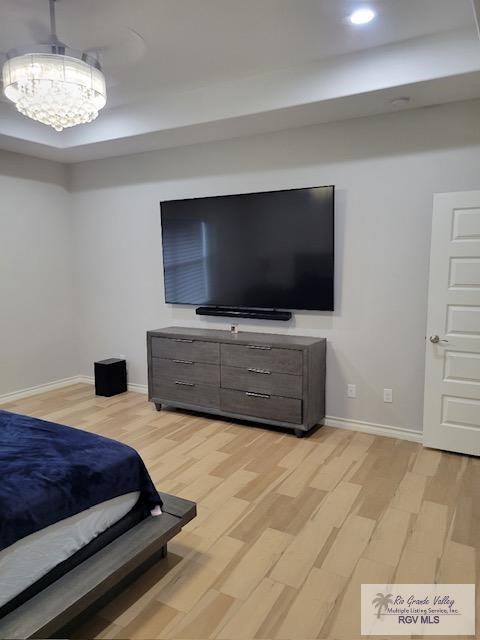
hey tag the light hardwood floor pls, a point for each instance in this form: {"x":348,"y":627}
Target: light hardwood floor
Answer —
{"x":287,"y":529}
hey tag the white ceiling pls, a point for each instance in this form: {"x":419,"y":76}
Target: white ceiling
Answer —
{"x":181,"y":71}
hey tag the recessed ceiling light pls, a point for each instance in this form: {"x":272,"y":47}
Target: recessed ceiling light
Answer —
{"x":362,"y":16}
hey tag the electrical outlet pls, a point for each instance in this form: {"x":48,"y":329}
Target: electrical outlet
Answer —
{"x":351,"y":390}
{"x":387,"y":395}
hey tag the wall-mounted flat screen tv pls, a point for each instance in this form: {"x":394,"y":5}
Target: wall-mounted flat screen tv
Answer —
{"x":269,"y":250}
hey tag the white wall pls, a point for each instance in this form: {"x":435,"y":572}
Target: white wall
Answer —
{"x":385,"y":169}
{"x":37,"y":341}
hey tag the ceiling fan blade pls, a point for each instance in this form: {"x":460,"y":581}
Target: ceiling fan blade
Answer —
{"x":124,"y":51}
{"x":38,"y":30}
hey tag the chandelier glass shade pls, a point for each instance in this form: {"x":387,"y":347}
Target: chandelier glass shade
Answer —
{"x":57,"y":90}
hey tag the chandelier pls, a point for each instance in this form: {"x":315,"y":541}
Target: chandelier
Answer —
{"x":55,"y":85}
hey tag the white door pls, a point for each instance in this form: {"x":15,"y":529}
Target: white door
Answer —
{"x":452,"y":377}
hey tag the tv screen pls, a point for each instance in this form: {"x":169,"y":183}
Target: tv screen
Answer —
{"x":269,"y":250}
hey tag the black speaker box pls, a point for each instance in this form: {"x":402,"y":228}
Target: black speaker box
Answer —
{"x":110,"y":377}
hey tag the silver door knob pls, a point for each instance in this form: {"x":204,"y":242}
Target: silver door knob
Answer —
{"x":436,"y":339}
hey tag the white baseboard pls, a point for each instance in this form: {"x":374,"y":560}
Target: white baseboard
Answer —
{"x":138,"y":388}
{"x":388,"y":431}
{"x":40,"y":388}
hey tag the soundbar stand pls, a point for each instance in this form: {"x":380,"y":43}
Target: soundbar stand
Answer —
{"x":238,"y":312}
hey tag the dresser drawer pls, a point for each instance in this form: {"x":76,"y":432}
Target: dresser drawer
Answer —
{"x":261,"y":406}
{"x":263,"y":381}
{"x":262,"y":357}
{"x":185,"y":391}
{"x":186,"y":370}
{"x":183,"y":349}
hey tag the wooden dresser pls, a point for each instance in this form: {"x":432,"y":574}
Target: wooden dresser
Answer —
{"x":264,"y":377}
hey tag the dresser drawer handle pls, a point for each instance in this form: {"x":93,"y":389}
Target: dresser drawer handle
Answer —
{"x":182,"y":340}
{"x":257,"y":395}
{"x":184,"y":384}
{"x":257,"y":346}
{"x":264,"y":371}
{"x":183,"y":361}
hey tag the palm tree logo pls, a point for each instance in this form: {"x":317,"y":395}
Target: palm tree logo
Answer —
{"x":382,"y":601}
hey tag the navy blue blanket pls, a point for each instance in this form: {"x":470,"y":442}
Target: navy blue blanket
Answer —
{"x":49,"y":472}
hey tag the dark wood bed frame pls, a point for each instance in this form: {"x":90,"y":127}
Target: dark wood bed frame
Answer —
{"x":89,"y":586}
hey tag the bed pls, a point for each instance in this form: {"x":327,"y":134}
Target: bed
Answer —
{"x":75,"y":523}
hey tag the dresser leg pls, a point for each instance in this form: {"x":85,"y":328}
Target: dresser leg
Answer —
{"x":158,"y":406}
{"x":299,"y":433}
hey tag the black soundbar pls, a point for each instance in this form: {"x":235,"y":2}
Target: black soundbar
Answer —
{"x":237,"y":312}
